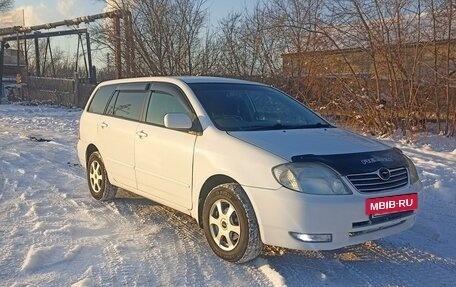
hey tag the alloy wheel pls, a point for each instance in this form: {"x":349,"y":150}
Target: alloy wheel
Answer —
{"x":96,"y":176}
{"x":224,"y":225}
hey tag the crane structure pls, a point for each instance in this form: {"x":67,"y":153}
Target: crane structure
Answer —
{"x":19,"y":33}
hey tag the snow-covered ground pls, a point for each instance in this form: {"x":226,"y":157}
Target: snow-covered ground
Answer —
{"x":52,"y":233}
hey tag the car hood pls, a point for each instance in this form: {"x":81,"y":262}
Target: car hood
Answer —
{"x":320,"y":141}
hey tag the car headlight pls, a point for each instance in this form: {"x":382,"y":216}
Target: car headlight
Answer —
{"x":310,"y":177}
{"x":412,"y":171}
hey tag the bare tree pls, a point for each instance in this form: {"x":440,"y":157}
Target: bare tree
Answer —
{"x":6,"y":5}
{"x":166,"y":36}
{"x":376,"y":64}
{"x":190,"y":17}
{"x":449,"y":101}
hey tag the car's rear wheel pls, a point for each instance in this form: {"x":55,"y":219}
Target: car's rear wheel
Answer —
{"x":230,"y":224}
{"x":97,"y":177}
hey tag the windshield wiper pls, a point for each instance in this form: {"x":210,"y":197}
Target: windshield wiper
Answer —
{"x":279,"y":126}
{"x":313,"y":126}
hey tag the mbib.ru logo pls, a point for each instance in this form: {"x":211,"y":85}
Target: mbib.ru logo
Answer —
{"x":391,"y":204}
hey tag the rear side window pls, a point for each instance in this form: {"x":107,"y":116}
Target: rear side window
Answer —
{"x":100,"y":99}
{"x":128,"y":105}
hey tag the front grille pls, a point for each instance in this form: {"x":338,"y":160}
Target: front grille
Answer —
{"x":372,"y":182}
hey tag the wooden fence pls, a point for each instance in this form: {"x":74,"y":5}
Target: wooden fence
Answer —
{"x":67,"y":92}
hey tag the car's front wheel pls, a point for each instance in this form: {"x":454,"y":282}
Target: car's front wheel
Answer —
{"x":230,"y":224}
{"x":97,"y":177}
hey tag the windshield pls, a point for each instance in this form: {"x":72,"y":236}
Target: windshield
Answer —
{"x":249,"y":107}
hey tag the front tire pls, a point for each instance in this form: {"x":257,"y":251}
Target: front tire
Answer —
{"x":97,"y":177}
{"x":230,"y":224}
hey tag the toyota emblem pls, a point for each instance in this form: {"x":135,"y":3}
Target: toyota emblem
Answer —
{"x":384,"y":173}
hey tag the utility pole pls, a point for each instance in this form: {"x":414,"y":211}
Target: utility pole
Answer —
{"x":2,"y":53}
{"x":89,"y":60}
{"x":129,"y":49}
{"x":117,"y":48}
{"x":37,"y":56}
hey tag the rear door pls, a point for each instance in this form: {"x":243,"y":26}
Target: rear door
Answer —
{"x":164,"y":157}
{"x":117,"y":134}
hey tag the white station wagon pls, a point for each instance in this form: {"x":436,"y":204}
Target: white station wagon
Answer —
{"x":251,"y":164}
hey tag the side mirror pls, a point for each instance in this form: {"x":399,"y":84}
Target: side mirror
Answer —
{"x":177,"y":121}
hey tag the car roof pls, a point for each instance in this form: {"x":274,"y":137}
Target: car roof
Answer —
{"x":185,"y":79}
{"x":204,"y":79}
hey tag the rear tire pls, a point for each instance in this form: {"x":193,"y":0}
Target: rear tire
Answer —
{"x":97,"y":177}
{"x":230,"y":224}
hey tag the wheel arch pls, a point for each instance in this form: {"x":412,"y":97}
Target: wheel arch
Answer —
{"x":208,"y":185}
{"x":91,"y":148}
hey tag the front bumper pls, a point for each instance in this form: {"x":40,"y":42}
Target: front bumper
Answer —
{"x":282,"y":211}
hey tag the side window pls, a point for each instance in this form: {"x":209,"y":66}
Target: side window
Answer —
{"x":100,"y":99}
{"x":110,"y":109}
{"x":162,"y":103}
{"x":128,"y":105}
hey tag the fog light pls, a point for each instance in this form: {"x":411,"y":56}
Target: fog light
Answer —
{"x":312,"y":237}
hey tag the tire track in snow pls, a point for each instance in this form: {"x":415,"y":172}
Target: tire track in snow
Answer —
{"x":126,"y":256}
{"x":177,"y":238}
{"x":399,"y":266}
{"x":195,"y":243}
{"x":311,"y":268}
{"x":382,"y":263}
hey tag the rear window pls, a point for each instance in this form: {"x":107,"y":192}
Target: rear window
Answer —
{"x":100,"y":99}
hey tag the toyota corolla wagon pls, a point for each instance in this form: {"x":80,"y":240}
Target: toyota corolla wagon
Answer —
{"x":251,"y":164}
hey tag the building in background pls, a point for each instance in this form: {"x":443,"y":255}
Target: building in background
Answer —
{"x":405,"y":59}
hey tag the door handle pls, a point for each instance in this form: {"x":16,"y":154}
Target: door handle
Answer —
{"x":142,"y":134}
{"x":103,"y":125}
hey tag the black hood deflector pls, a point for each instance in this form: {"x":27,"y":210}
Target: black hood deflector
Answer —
{"x":355,"y":163}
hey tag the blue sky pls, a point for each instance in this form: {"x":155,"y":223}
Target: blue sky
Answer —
{"x":43,"y":11}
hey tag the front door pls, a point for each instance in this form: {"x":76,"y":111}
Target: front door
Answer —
{"x":164,"y":157}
